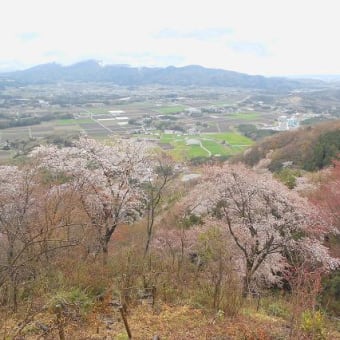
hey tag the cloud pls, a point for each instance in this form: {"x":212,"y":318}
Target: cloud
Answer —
{"x":10,"y":65}
{"x":206,"y":34}
{"x":263,"y":36}
{"x":144,"y":59}
{"x":247,"y":47}
{"x":28,"y":36}
{"x":53,"y":54}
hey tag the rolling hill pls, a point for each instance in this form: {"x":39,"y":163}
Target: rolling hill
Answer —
{"x":309,"y":148}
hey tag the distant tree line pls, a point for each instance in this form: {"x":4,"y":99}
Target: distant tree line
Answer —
{"x":252,"y":132}
{"x":26,"y":121}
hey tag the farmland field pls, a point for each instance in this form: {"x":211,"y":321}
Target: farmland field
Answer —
{"x":216,"y":148}
{"x":245,"y":115}
{"x":64,"y":122}
{"x":12,"y":134}
{"x":232,"y":138}
{"x":223,"y":144}
{"x":149,"y":113}
{"x":196,"y":151}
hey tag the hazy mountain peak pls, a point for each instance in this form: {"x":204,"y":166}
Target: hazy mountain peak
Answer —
{"x":190,"y":75}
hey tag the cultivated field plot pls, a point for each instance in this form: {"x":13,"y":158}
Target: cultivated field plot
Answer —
{"x":112,"y":122}
{"x":13,"y":134}
{"x":67,"y":122}
{"x":230,"y":138}
{"x":93,"y":129}
{"x":245,"y":116}
{"x":205,"y":134}
{"x":202,"y":145}
{"x":169,"y":109}
{"x":53,"y":128}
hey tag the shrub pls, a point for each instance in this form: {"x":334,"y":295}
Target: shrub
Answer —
{"x":75,"y":301}
{"x":276,"y":309}
{"x":288,"y":177}
{"x":330,"y":296}
{"x":217,"y":286}
{"x":313,"y":324}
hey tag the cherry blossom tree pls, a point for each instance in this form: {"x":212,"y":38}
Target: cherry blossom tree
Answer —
{"x":154,"y":190}
{"x":264,"y":219}
{"x":32,"y":220}
{"x":109,"y":179}
{"x":16,"y":204}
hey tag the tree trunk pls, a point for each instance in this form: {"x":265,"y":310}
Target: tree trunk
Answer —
{"x":246,"y":283}
{"x":245,"y":289}
{"x":105,"y":240}
{"x":105,"y":251}
{"x":14,"y":291}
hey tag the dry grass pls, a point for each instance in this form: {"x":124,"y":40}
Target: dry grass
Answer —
{"x":168,"y":322}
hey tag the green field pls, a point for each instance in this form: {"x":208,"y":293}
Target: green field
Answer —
{"x":223,"y":144}
{"x":216,"y":148}
{"x":170,"y":109}
{"x":232,"y":138}
{"x":183,"y":146}
{"x":170,"y":138}
{"x":245,"y":115}
{"x":196,"y":151}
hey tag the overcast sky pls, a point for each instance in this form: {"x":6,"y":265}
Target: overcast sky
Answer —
{"x":270,"y":37}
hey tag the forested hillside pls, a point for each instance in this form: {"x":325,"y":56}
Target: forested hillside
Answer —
{"x":309,"y":148}
{"x":92,"y":234}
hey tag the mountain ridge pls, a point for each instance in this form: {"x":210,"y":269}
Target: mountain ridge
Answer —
{"x":125,"y":75}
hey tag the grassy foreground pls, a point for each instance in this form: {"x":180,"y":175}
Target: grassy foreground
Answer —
{"x":168,"y":321}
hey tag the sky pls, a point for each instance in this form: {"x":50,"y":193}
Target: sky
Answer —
{"x":268,"y":37}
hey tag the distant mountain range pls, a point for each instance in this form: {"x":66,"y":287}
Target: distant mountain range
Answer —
{"x":324,"y":77}
{"x":93,"y":71}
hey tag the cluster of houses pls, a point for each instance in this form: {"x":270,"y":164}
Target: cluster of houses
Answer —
{"x":287,"y":123}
